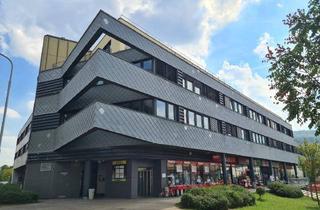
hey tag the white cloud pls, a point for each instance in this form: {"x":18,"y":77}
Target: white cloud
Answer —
{"x":189,"y":28}
{"x":11,"y":113}
{"x":216,"y":15}
{"x":7,"y":150}
{"x":262,"y":48}
{"x":30,"y":105}
{"x":243,"y":79}
{"x":23,"y":25}
{"x":279,"y":5}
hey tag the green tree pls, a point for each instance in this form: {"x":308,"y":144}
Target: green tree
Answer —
{"x":295,"y":66}
{"x":6,"y":173}
{"x":310,"y":161}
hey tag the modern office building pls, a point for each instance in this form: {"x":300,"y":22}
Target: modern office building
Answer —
{"x":120,"y":112}
{"x":21,"y":153}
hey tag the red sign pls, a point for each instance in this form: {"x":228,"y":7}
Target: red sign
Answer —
{"x":231,"y":160}
{"x":216,"y":158}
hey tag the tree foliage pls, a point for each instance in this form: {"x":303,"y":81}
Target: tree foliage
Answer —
{"x":5,"y":173}
{"x":295,"y":66}
{"x":310,"y":161}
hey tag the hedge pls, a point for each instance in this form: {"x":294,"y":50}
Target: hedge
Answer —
{"x":219,"y":197}
{"x":285,"y":190}
{"x":12,"y":194}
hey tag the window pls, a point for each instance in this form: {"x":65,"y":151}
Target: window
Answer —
{"x":231,"y":130}
{"x":250,"y":113}
{"x":205,"y":122}
{"x":199,"y":120}
{"x":185,"y":117}
{"x":240,"y":108}
{"x":161,"y":108}
{"x":228,"y":102}
{"x":254,"y":116}
{"x":166,"y":71}
{"x":212,"y":94}
{"x":171,"y":73}
{"x":160,"y":68}
{"x":171,"y":112}
{"x":197,"y":90}
{"x":189,"y":85}
{"x":191,"y":118}
{"x":241,"y":133}
{"x":253,"y":137}
{"x":235,"y":106}
{"x":119,"y":173}
{"x":147,"y":65}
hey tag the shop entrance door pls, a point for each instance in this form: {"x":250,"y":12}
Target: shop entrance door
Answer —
{"x":145,"y":182}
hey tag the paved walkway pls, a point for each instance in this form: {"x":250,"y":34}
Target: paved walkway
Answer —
{"x":99,"y":204}
{"x":313,"y":195}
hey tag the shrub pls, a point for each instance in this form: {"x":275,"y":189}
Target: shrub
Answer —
{"x":11,"y":194}
{"x":260,"y":191}
{"x":187,"y":200}
{"x":285,"y":190}
{"x":219,"y":197}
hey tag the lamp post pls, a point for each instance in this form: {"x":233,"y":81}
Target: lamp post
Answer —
{"x":7,"y":98}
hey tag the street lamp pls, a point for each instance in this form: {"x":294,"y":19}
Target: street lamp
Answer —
{"x":7,"y":98}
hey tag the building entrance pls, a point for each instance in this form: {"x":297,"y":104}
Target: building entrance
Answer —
{"x":145,"y":182}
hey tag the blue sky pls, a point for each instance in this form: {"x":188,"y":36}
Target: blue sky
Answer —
{"x":228,"y":37}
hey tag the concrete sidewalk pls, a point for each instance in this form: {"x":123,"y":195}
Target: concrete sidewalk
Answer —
{"x":99,"y":204}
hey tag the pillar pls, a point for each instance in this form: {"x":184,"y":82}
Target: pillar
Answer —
{"x":270,"y":169}
{"x":252,"y":176}
{"x":285,"y":172}
{"x":295,"y":170}
{"x":86,"y":180}
{"x":224,"y":170}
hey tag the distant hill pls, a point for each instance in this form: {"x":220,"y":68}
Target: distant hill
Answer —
{"x":309,"y":135}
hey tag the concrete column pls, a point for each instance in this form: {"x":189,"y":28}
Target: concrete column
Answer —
{"x":295,"y":170}
{"x":270,"y":168}
{"x":252,"y":176}
{"x":224,"y":169}
{"x":285,"y":172}
{"x":86,"y":178}
{"x":160,"y":180}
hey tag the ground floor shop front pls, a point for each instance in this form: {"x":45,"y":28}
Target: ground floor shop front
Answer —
{"x":144,"y":174}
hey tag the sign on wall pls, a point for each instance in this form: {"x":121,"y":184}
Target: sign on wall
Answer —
{"x":119,"y":162}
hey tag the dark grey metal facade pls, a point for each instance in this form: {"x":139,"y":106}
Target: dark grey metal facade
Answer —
{"x":62,"y":149}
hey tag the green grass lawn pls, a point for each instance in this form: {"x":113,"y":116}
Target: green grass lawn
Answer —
{"x":273,"y":202}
